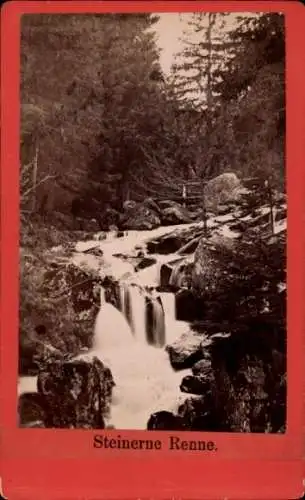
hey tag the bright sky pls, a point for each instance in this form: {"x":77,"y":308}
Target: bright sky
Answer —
{"x":169,"y":29}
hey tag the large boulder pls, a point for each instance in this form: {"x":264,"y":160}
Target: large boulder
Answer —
{"x":193,"y":213}
{"x":165,"y":274}
{"x":181,"y":240}
{"x":153,"y":205}
{"x":241,"y":383}
{"x":240,"y":281}
{"x":76,"y":393}
{"x":144,"y":263}
{"x":251,"y":364}
{"x":31,"y":410}
{"x":189,"y":247}
{"x":189,"y":307}
{"x":194,"y":385}
{"x":165,"y":245}
{"x":181,"y":276}
{"x":198,"y":414}
{"x":187,"y":349}
{"x":130,"y":205}
{"x":175,"y":214}
{"x":112,"y":291}
{"x":59,"y":294}
{"x":211,"y":262}
{"x":223,"y":189}
{"x":164,"y":420}
{"x":140,"y":217}
{"x":203,"y":367}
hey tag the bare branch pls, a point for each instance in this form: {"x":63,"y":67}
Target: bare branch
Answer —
{"x":48,"y":177}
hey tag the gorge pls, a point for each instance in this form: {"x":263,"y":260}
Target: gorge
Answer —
{"x":180,"y":314}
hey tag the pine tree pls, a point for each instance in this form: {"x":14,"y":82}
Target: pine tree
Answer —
{"x":95,"y":83}
{"x":134,"y":102}
{"x":252,"y":88}
{"x":58,"y":80}
{"x":206,"y":48}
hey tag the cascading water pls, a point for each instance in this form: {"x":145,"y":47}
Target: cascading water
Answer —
{"x":169,"y":306}
{"x":137,"y":313}
{"x":125,"y":303}
{"x":173,"y":327}
{"x":145,"y":381}
{"x":158,"y":323}
{"x":144,"y":313}
{"x":111,"y":330}
{"x":150,"y":314}
{"x":122,"y":302}
{"x":168,"y":302}
{"x":175,"y":278}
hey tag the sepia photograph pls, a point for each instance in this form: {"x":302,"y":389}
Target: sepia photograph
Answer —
{"x":153,"y":222}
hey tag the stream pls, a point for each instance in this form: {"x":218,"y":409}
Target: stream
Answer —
{"x":131,"y":339}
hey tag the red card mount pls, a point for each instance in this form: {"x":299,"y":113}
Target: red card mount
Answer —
{"x":83,"y":436}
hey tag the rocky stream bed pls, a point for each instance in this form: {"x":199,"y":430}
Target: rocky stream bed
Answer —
{"x":177,"y":327}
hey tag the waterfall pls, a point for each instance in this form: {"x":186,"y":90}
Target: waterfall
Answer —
{"x":125,"y":302}
{"x":177,"y":274}
{"x":112,"y":233}
{"x":144,"y":313}
{"x":111,"y":328}
{"x":144,"y":379}
{"x":159,"y":333}
{"x":130,"y":338}
{"x":151,"y":315}
{"x":123,"y":299}
{"x":158,"y":267}
{"x":168,"y":302}
{"x":145,"y":383}
{"x":102,"y":296}
{"x":173,"y":327}
{"x":137,"y":312}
